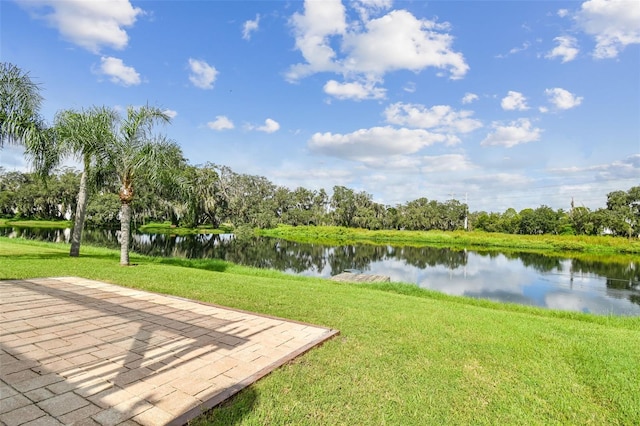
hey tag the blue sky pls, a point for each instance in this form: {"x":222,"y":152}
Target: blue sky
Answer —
{"x":504,"y":103}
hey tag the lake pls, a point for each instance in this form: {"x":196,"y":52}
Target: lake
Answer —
{"x":530,"y":279}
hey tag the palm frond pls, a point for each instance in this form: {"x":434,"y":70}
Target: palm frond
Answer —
{"x":20,"y":101}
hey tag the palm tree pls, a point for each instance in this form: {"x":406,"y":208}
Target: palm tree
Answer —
{"x":139,"y":155}
{"x":88,"y":135}
{"x":20,"y":120}
{"x":20,"y":100}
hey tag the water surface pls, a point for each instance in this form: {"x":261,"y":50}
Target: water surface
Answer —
{"x":565,"y":283}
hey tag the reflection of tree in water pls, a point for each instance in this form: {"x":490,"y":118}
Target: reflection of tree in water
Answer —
{"x":300,"y":258}
{"x":258,"y":252}
{"x":40,"y":234}
{"x":108,"y":238}
{"x":360,"y":257}
{"x":622,"y":278}
{"x":539,"y":262}
{"x":273,"y":254}
{"x":422,"y":257}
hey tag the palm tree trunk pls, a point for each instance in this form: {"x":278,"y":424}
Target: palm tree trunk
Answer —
{"x":125,"y":233}
{"x":78,"y":222}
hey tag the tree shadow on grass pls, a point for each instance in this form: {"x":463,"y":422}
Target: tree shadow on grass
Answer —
{"x":54,"y":255}
{"x":230,"y":412}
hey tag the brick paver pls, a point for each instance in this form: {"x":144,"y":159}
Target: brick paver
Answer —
{"x":85,"y":352}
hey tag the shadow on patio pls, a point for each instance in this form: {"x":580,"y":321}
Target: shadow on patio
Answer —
{"x":73,"y":347}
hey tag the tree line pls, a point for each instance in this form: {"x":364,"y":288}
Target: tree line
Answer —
{"x":129,"y":170}
{"x":216,"y":196}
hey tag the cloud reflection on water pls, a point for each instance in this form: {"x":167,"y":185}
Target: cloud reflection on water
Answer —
{"x":501,"y":279}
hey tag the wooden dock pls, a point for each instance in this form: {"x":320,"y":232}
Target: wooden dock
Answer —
{"x":360,"y":278}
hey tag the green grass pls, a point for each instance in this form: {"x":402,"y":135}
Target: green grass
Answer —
{"x":404,"y":356}
{"x":334,"y":235}
{"x":54,"y":224}
{"x":154,"y":227}
{"x":167,"y":228}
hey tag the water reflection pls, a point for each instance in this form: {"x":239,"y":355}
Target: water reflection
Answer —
{"x":524,"y":278}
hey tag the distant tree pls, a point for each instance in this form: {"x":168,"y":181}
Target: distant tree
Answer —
{"x":202,"y":196}
{"x":452,"y":215}
{"x":299,"y":208}
{"x":102,"y":210}
{"x":543,"y":220}
{"x":624,"y":212}
{"x":10,"y":183}
{"x":23,"y":195}
{"x":344,"y":207}
{"x":509,"y":221}
{"x":320,"y":205}
{"x":488,"y":222}
{"x":419,"y":214}
{"x":582,"y":221}
{"x":527,"y":222}
{"x":392,"y":218}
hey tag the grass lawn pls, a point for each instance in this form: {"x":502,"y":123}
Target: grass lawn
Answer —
{"x":404,"y":356}
{"x":53,"y":224}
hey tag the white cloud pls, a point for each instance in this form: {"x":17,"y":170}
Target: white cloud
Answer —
{"x":293,"y":174}
{"x":514,"y":101}
{"x":366,"y":8}
{"x":445,"y":163}
{"x":439,"y":118}
{"x":249,"y":27}
{"x":410,"y":87}
{"x":563,"y":12}
{"x":202,"y":74}
{"x":566,"y":49}
{"x":354,"y":90}
{"x":370,"y":48}
{"x":171,"y":113}
{"x":118,"y":72}
{"x":376,"y":142}
{"x":394,"y":163}
{"x":614,"y":24}
{"x":563,"y":99}
{"x":270,"y":126}
{"x":89,"y":24}
{"x":221,"y":123}
{"x":312,"y":29}
{"x":522,"y":48}
{"x":515,"y":133}
{"x":399,"y":40}
{"x":500,"y":179}
{"x":469,"y":98}
{"x":515,"y":50}
{"x":627,"y":168}
{"x":412,"y":164}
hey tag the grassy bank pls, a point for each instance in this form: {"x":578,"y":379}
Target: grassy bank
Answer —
{"x":54,"y":224}
{"x":557,"y":243}
{"x":335,"y":235}
{"x":404,"y":356}
{"x":154,"y":227}
{"x":167,"y":228}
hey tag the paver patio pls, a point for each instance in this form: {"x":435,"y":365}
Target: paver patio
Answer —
{"x":77,"y":351}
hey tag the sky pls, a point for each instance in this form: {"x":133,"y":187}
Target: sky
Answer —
{"x":502,"y":104}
